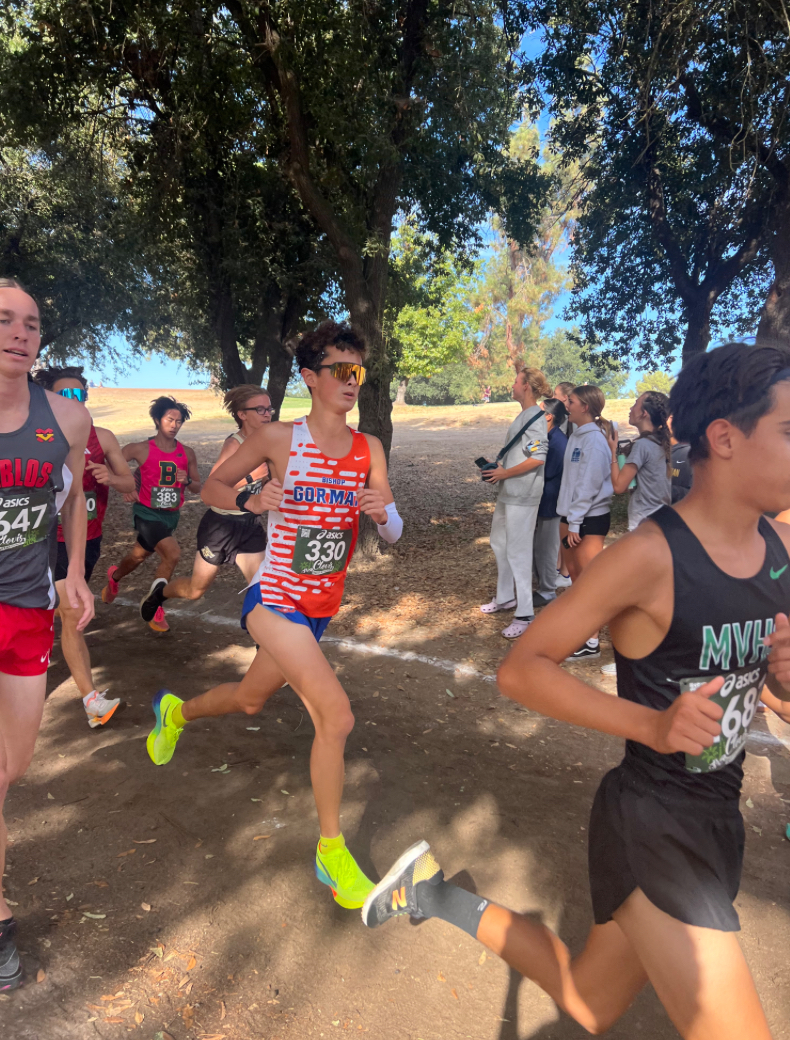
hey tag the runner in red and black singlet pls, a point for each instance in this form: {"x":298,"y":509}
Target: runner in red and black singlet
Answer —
{"x":696,"y":600}
{"x":323,"y":475}
{"x":42,"y":444}
{"x":224,"y":536}
{"x":166,"y":469}
{"x":105,"y":468}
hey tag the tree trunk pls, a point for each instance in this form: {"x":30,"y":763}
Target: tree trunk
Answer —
{"x":233,"y":369}
{"x":774,"y":324}
{"x":400,"y":397}
{"x":698,"y":327}
{"x":280,"y":367}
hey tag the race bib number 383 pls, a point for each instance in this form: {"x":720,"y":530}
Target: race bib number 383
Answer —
{"x":163,"y":497}
{"x":738,"y":698}
{"x":24,"y":518}
{"x":318,"y":551}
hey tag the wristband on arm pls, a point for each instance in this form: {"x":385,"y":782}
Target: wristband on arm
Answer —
{"x":393,"y":528}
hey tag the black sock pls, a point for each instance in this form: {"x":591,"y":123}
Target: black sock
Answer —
{"x":525,"y":617}
{"x":449,"y":903}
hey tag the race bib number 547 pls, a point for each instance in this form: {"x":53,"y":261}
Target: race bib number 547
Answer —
{"x":738,"y":698}
{"x":24,"y":518}
{"x":318,"y":551}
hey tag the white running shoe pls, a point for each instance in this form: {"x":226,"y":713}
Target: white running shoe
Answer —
{"x":609,"y":669}
{"x":563,"y":581}
{"x":99,"y":708}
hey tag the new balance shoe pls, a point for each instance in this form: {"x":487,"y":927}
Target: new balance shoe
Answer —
{"x":396,"y":894}
{"x":111,"y":589}
{"x":162,"y":739}
{"x":152,"y":601}
{"x":10,"y":968}
{"x":99,"y":708}
{"x":159,"y":622}
{"x":587,"y":652}
{"x":338,"y":869}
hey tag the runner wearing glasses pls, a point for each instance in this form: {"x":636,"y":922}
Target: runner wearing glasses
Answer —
{"x":225,"y":536}
{"x":323,"y":475}
{"x":105,"y":468}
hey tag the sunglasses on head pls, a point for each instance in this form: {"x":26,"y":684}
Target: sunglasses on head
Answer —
{"x":344,"y":370}
{"x":77,"y":393}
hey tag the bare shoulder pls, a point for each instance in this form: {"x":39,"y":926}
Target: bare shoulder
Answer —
{"x":190,"y":452}
{"x":375,"y":445}
{"x":72,"y":417}
{"x":136,"y":450}
{"x":107,"y":438}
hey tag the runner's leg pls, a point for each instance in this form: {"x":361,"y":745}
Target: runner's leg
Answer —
{"x":21,"y":707}
{"x":294,"y":649}
{"x":193,"y":587}
{"x":700,"y":975}
{"x":136,"y":555}
{"x":73,"y":644}
{"x":584,"y":553}
{"x":263,"y":678}
{"x":248,"y":564}
{"x":169,"y":553}
{"x":595,"y":988}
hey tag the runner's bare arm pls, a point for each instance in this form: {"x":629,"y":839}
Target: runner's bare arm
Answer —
{"x":75,"y":421}
{"x":777,"y":705}
{"x":192,"y":472}
{"x":230,"y":447}
{"x":628,"y":586}
{"x":115,"y":473}
{"x":374,"y":498}
{"x":271,"y":444}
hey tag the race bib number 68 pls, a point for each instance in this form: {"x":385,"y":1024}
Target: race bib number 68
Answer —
{"x":738,"y":698}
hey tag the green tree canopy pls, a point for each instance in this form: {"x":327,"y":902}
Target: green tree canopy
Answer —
{"x":661,"y":381}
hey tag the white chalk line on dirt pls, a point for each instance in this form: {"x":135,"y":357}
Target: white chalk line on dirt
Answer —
{"x":459,"y":671}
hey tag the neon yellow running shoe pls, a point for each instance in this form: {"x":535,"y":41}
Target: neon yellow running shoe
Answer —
{"x":338,"y":869}
{"x":164,"y":736}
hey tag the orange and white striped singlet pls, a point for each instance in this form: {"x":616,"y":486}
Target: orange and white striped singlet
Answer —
{"x":313,"y":535}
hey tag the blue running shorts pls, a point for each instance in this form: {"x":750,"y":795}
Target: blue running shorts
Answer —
{"x":317,"y":625}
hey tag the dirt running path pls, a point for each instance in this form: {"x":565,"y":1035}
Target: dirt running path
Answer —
{"x":180,"y":902}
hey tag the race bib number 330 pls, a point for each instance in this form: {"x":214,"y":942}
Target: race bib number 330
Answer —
{"x":24,"y":518}
{"x":738,"y":698}
{"x":318,"y":551}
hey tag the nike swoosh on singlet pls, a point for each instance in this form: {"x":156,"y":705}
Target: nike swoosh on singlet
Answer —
{"x":779,"y":573}
{"x":358,"y":458}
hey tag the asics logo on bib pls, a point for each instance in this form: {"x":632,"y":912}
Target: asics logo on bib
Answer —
{"x":778,"y":574}
{"x":33,"y":474}
{"x":168,"y":472}
{"x":743,"y":638}
{"x":328,"y":496}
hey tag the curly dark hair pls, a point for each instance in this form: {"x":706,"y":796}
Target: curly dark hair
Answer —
{"x":312,"y":347}
{"x":163,"y":404}
{"x":731,"y":382}
{"x":656,"y":405}
{"x":47,"y":377}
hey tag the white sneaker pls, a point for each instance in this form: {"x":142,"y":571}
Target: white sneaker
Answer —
{"x":563,"y":581}
{"x":609,"y":669}
{"x":99,"y":708}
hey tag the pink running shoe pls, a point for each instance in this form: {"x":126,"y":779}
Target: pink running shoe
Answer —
{"x":111,"y":589}
{"x":159,"y":623}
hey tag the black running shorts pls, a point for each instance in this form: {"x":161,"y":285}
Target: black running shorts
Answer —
{"x":92,"y":554}
{"x":220,"y":538}
{"x":151,"y":532}
{"x":593,"y":524}
{"x":685,"y":855}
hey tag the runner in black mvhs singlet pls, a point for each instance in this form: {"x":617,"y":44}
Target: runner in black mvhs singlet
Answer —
{"x":696,"y":600}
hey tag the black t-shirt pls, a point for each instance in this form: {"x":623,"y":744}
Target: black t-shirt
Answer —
{"x":718,"y":626}
{"x":682,"y":473}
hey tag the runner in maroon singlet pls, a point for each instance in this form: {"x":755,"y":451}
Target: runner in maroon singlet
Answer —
{"x":105,"y":468}
{"x":166,"y":469}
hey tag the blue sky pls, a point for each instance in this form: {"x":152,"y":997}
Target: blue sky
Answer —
{"x":153,"y":373}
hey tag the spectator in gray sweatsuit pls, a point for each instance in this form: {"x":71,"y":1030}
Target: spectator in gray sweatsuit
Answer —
{"x":519,"y":478}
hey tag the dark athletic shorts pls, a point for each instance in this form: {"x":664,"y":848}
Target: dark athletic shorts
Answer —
{"x":92,"y":554}
{"x":684,"y":854}
{"x":151,"y":532}
{"x":593,"y":524}
{"x":221,"y":538}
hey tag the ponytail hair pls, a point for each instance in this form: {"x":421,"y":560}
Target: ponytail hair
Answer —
{"x":656,"y":405}
{"x":556,"y":409}
{"x":593,"y":400}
